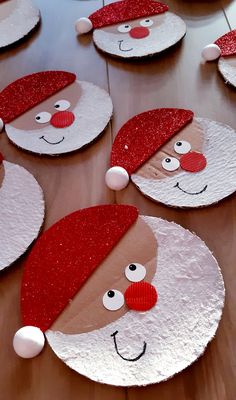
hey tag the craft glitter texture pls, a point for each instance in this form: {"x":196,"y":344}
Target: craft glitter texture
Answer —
{"x":111,"y":290}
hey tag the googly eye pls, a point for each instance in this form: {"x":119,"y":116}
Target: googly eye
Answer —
{"x":170,"y":163}
{"x":43,"y":117}
{"x":146,"y":22}
{"x":113,"y":300}
{"x":182,"y":147}
{"x":124,"y":28}
{"x":62,"y":105}
{"x":135,"y":272}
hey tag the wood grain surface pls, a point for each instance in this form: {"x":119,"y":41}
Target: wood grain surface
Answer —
{"x":176,"y":78}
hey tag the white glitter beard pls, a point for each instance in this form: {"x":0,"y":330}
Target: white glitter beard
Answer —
{"x":228,"y":71}
{"x":92,"y":114}
{"x":176,"y":330}
{"x":219,"y":174}
{"x":24,"y":18}
{"x":160,"y":38}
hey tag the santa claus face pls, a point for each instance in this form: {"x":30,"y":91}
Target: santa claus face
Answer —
{"x":67,"y":121}
{"x":21,"y":14}
{"x":147,"y":312}
{"x":22,"y":212}
{"x":195,"y":168}
{"x":227,"y":67}
{"x":140,"y":37}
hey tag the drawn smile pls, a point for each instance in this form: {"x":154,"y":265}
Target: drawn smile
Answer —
{"x":124,"y":358}
{"x":120,"y":46}
{"x":194,"y":193}
{"x":42,"y":137}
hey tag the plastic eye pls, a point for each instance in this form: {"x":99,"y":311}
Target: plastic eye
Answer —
{"x":170,"y":163}
{"x":182,"y":147}
{"x":135,"y":272}
{"x":146,"y":22}
{"x":124,"y":28}
{"x":43,"y":117}
{"x":113,"y":300}
{"x":62,"y":105}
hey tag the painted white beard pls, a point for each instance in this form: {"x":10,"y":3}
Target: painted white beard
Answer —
{"x":227,"y":70}
{"x":20,"y":22}
{"x":160,"y":38}
{"x":92,"y":115}
{"x":21,"y":212}
{"x":219,"y":174}
{"x":191,"y":297}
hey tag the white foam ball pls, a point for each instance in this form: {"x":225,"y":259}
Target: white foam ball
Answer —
{"x":1,"y":124}
{"x":28,"y":342}
{"x":117,"y":178}
{"x":211,"y":52}
{"x":83,"y":25}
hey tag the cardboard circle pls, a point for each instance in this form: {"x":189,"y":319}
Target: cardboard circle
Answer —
{"x":212,"y":184}
{"x":17,"y":19}
{"x":91,"y":113}
{"x":227,"y":68}
{"x":170,"y":29}
{"x":137,"y":349}
{"x":22,"y":212}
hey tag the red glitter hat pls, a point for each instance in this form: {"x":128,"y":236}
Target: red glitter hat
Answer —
{"x":139,"y":139}
{"x":30,"y":90}
{"x":120,"y":11}
{"x":60,"y":263}
{"x":227,"y":43}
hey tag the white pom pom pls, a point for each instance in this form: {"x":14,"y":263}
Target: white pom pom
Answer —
{"x":28,"y":342}
{"x":1,"y":124}
{"x":211,"y":52}
{"x":117,"y":178}
{"x":83,"y":25}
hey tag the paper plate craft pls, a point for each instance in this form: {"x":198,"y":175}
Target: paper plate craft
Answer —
{"x":225,"y":49}
{"x":123,"y":299}
{"x":175,"y":158}
{"x":17,"y":19}
{"x":53,"y":113}
{"x":131,"y":28}
{"x":21,"y":211}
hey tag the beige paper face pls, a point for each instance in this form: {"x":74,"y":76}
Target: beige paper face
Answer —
{"x":86,"y":312}
{"x":22,"y":212}
{"x":162,"y":32}
{"x":227,"y":67}
{"x":181,"y":188}
{"x":23,"y":15}
{"x":141,"y":348}
{"x":88,"y":109}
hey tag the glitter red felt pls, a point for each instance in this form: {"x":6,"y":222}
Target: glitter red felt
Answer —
{"x":193,"y":161}
{"x":141,"y":296}
{"x":126,"y":10}
{"x":227,"y":43}
{"x":27,"y":92}
{"x":144,"y":134}
{"x":65,"y":256}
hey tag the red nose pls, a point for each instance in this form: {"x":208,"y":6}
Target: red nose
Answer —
{"x":139,"y":32}
{"x":62,"y":119}
{"x":141,"y":296}
{"x":193,"y":162}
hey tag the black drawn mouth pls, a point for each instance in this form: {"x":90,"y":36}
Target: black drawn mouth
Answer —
{"x":124,"y":358}
{"x":42,"y":137}
{"x":120,"y":46}
{"x":193,"y":194}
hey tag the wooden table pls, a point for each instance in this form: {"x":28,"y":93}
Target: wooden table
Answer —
{"x":176,"y":78}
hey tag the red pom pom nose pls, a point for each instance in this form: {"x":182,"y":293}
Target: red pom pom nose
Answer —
{"x":62,"y":119}
{"x":193,"y":162}
{"x":141,"y":296}
{"x":1,"y":158}
{"x":139,"y":32}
